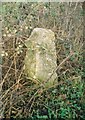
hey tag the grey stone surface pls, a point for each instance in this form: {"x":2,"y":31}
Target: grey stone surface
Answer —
{"x":40,"y":60}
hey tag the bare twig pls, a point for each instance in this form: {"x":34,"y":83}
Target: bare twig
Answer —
{"x":60,"y":65}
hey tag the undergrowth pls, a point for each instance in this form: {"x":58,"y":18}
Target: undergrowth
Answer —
{"x":21,"y":97}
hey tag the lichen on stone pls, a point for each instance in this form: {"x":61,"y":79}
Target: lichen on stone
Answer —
{"x":40,"y":60}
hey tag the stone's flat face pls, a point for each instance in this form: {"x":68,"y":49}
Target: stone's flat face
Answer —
{"x":40,"y":60}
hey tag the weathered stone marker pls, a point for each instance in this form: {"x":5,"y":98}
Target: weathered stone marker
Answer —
{"x":40,"y":60}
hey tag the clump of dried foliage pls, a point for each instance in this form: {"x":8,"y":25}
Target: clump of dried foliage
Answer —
{"x":19,"y":95}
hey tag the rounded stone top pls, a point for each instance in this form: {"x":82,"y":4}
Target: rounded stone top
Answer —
{"x":41,"y":33}
{"x":43,"y":30}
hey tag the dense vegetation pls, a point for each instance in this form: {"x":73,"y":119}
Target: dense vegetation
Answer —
{"x":20,"y":95}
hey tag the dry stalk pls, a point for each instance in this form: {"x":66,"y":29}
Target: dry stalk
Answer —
{"x":60,"y":66}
